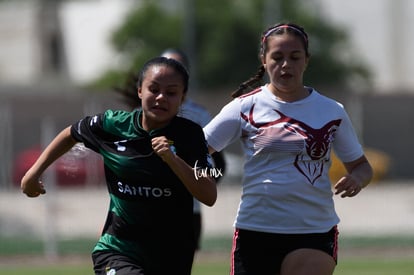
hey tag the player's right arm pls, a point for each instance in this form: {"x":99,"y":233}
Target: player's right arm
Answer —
{"x":31,"y":184}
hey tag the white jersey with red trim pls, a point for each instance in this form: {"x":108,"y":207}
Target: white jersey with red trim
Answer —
{"x":287,"y":145}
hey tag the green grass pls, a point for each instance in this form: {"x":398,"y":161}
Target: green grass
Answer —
{"x":347,"y":267}
{"x":24,"y":246}
{"x":214,"y":259}
{"x":377,"y":241}
{"x":48,"y":270}
{"x":375,"y":267}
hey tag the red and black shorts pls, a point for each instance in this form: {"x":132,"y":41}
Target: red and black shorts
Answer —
{"x":262,"y":253}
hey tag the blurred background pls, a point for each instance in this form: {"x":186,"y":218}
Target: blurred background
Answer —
{"x":61,"y":60}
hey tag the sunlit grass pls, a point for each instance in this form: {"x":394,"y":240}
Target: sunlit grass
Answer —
{"x":74,"y":257}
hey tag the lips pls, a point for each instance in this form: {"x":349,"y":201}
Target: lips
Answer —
{"x":286,"y":76}
{"x":159,"y":108}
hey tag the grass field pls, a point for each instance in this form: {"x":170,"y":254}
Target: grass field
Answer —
{"x":365,"y":256}
{"x":347,"y":267}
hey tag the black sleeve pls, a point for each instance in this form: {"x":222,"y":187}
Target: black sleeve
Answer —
{"x":89,"y":131}
{"x":192,"y":146}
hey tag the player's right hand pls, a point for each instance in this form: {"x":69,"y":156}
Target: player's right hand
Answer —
{"x":32,"y":187}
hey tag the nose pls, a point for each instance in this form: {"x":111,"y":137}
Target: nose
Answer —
{"x":161,"y":96}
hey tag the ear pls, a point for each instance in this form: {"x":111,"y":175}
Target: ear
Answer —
{"x":263,"y":60}
{"x":140,"y":92}
{"x":307,"y":62}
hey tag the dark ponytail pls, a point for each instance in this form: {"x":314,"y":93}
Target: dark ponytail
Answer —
{"x":250,"y":84}
{"x":129,"y":91}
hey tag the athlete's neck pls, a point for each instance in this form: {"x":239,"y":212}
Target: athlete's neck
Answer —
{"x":289,"y":95}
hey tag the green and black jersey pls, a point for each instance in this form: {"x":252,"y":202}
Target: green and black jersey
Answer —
{"x":150,"y":213}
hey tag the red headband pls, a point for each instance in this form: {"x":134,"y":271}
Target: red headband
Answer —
{"x":270,"y":31}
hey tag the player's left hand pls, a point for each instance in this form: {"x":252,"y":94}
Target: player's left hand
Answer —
{"x":347,"y":186}
{"x":162,"y":147}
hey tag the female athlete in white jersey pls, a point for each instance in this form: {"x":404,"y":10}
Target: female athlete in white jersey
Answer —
{"x":286,"y":222}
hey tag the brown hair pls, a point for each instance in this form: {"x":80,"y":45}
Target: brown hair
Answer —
{"x":277,"y":29}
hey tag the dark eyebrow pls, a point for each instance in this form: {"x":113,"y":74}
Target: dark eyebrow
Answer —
{"x":292,"y":52}
{"x":157,"y":83}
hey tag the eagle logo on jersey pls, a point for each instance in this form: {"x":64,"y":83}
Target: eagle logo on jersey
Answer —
{"x":290,"y":135}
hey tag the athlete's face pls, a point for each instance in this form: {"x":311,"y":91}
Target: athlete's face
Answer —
{"x":161,"y":93}
{"x":285,"y":62}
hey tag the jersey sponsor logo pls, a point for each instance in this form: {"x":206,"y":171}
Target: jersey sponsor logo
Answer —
{"x":119,"y":146}
{"x":133,"y":148}
{"x":110,"y":271}
{"x":310,"y":159}
{"x":93,"y":120}
{"x":144,"y":191}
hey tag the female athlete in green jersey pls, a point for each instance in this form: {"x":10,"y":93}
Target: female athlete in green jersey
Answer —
{"x":155,"y":164}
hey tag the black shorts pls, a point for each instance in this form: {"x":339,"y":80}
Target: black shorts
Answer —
{"x":105,"y":263}
{"x":113,"y":263}
{"x":262,"y":253}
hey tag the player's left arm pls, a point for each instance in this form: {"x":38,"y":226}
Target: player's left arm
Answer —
{"x":359,"y":175}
